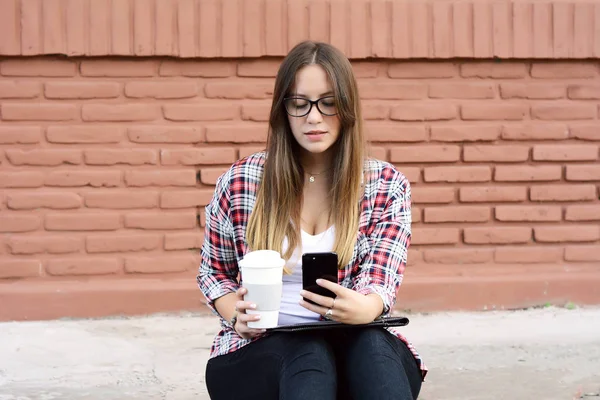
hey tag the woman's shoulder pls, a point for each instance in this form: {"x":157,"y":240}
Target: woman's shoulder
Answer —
{"x":384,"y":176}
{"x":247,"y":168}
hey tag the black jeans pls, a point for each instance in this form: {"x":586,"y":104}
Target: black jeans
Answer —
{"x":344,"y":364}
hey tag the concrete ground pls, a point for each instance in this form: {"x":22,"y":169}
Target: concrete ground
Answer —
{"x":548,"y":353}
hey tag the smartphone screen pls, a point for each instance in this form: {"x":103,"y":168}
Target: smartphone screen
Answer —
{"x":319,"y":266}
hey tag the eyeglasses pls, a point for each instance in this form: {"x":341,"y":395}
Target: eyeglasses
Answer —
{"x":300,"y":106}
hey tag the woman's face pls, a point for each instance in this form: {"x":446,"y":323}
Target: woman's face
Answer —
{"x":314,"y":132}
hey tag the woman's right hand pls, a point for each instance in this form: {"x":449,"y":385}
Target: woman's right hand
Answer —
{"x":241,"y":325}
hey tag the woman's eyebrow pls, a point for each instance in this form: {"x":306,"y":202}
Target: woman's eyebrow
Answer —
{"x":329,"y":93}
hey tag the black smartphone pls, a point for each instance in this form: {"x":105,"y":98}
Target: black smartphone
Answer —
{"x":319,"y":266}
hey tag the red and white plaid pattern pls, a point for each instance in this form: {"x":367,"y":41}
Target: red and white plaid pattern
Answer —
{"x":380,"y":253}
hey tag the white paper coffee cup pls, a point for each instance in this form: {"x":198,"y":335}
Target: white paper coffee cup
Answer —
{"x":262,"y":276}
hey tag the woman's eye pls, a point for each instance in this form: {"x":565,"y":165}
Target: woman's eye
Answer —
{"x":329,"y":103}
{"x":300,"y":103}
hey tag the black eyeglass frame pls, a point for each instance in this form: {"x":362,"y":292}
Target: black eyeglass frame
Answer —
{"x":311,"y":102}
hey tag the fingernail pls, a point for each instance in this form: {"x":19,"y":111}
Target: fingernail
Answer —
{"x":302,"y":292}
{"x":319,"y":281}
{"x":253,"y":305}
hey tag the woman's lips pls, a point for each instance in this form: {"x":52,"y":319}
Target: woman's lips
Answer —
{"x":315,"y":136}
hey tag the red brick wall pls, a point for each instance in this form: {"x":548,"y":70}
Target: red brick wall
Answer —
{"x":107,"y":163}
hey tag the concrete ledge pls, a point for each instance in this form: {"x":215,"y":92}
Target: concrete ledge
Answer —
{"x":472,"y":287}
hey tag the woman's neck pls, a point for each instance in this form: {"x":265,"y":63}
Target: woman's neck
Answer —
{"x":316,"y":163}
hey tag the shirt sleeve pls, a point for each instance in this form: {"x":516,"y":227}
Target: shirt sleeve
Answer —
{"x":217,"y":275}
{"x":382,"y":269}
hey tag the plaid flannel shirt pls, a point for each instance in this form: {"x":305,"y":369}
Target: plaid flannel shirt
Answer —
{"x":379,"y":257}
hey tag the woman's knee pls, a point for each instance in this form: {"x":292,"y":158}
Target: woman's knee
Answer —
{"x":370,"y":342}
{"x":309,"y":349}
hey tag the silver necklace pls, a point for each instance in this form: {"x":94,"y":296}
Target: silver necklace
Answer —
{"x":311,"y":177}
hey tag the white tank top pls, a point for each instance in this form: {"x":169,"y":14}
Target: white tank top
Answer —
{"x":291,"y":312}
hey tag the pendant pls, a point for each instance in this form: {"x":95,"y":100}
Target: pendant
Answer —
{"x":311,"y":179}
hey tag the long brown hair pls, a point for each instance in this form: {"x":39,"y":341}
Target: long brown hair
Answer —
{"x":277,"y":211}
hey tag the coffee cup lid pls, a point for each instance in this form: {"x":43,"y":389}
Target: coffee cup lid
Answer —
{"x":262,"y":259}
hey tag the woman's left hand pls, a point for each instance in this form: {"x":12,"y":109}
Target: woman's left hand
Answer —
{"x":349,"y":306}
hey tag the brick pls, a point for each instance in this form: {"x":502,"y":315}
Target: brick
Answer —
{"x":19,"y":90}
{"x":560,"y":112}
{"x":258,"y":68}
{"x":499,"y":111}
{"x":582,"y":253}
{"x":99,"y":33}
{"x":456,"y":214}
{"x":186,"y":198}
{"x":166,"y":134}
{"x":256,"y":112}
{"x":535,"y":132}
{"x":416,"y":213}
{"x":38,"y":67}
{"x":200,"y":112}
{"x":497,"y":235}
{"x":527,"y":255}
{"x":458,"y":256}
{"x":198,"y":156}
{"x":238,"y":90}
{"x":43,"y":157}
{"x":422,"y":236}
{"x":458,"y":174}
{"x":39,"y":112}
{"x":465,"y":133}
{"x":12,"y":223}
{"x":52,"y":200}
{"x":20,"y":134}
{"x":162,"y":220}
{"x":83,"y":266}
{"x":15,"y":268}
{"x":528,"y":213}
{"x":120,"y":156}
{"x":84,"y":134}
{"x":408,"y":69}
{"x":527,"y":173}
{"x":161,"y":178}
{"x":21,"y":179}
{"x":365,"y":69}
{"x":204,"y":68}
{"x":375,"y":111}
{"x":567,"y":233}
{"x":82,"y":90}
{"x":565,"y":152}
{"x":122,"y":243}
{"x":583,"y":172}
{"x":395,"y":133}
{"x":66,"y":178}
{"x":392,"y":91}
{"x":118,"y":68}
{"x":531,"y":91}
{"x":488,"y":194}
{"x":236,"y":134}
{"x":563,"y":193}
{"x":582,"y":132}
{"x":249,"y":150}
{"x":495,"y":153}
{"x":83,"y":222}
{"x":461,"y":91}
{"x":154,"y":265}
{"x":421,"y":154}
{"x":584,"y":92}
{"x":413,"y":174}
{"x":558,"y":70}
{"x":120,"y":112}
{"x":379,"y":153}
{"x":111,"y":199}
{"x":421,"y":195}
{"x":44,"y":244}
{"x":503,"y":70}
{"x":184,"y":241}
{"x":424,"y":112}
{"x":589,"y":212}
{"x":161,"y":90}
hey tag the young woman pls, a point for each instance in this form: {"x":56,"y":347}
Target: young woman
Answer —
{"x":313,"y":190}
